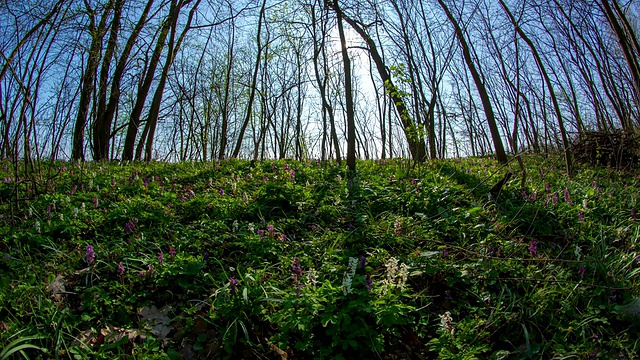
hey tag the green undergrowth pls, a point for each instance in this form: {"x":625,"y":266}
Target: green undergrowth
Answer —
{"x":302,"y":260}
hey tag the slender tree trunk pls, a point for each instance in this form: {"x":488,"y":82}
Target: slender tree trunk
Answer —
{"x":154,"y":110}
{"x":351,"y":127}
{"x":143,"y":90}
{"x":501,"y":156}
{"x":252,"y":91}
{"x":547,"y":80}
{"x":104,"y":119}
{"x":415,"y":139}
{"x":88,"y":79}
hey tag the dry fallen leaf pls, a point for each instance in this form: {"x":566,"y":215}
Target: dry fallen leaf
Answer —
{"x":158,"y":320}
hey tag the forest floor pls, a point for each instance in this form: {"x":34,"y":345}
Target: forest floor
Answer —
{"x":299,"y":260}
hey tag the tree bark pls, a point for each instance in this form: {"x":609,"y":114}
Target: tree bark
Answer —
{"x":501,"y":156}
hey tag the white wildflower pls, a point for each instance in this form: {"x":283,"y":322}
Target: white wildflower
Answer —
{"x":347,"y":279}
{"x":403,"y":274}
{"x":446,"y":323}
{"x":75,"y":213}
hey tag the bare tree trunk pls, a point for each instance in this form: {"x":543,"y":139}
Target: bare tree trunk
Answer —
{"x":351,"y":127}
{"x":154,"y":111}
{"x":143,"y":90}
{"x":501,"y":156}
{"x":547,"y":80}
{"x":252,"y":91}
{"x":104,"y":119}
{"x":88,"y":79}
{"x":415,"y":139}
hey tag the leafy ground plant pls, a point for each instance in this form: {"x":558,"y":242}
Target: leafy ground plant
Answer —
{"x":285,"y":259}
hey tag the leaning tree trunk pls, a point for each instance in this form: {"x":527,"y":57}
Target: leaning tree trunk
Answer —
{"x":501,"y":156}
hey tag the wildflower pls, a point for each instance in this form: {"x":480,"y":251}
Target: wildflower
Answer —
{"x":233,"y":283}
{"x":172,"y":251}
{"x":446,"y":323}
{"x":75,"y":213}
{"x":160,"y":257}
{"x":593,"y":355}
{"x":581,"y":215}
{"x":368,"y":283}
{"x":261,"y":233}
{"x":49,"y":211}
{"x":566,"y":196}
{"x":312,"y":277}
{"x":120,"y":269}
{"x":282,"y":237}
{"x":141,"y":273}
{"x":533,"y":249}
{"x":347,"y":279}
{"x":150,"y":270}
{"x":397,"y":227}
{"x":221,"y":192}
{"x":363,"y":261}
{"x":113,"y":183}
{"x":296,"y":268}
{"x":271,"y":231}
{"x":3,"y":327}
{"x":554,"y":199}
{"x":585,"y":203}
{"x":546,"y":188}
{"x":95,"y":202}
{"x":89,"y":255}
{"x":403,"y":274}
{"x":581,"y":271}
{"x":129,"y":226}
{"x":445,"y":251}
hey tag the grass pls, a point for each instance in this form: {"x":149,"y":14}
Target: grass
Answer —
{"x":286,"y":259}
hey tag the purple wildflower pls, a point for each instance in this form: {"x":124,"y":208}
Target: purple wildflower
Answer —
{"x":296,"y":268}
{"x":445,"y":251}
{"x":172,"y":251}
{"x":160,"y":257}
{"x":150,"y":270}
{"x":120,"y":269}
{"x":271,"y":231}
{"x":233,"y":283}
{"x":261,"y":233}
{"x":3,"y":327}
{"x":368,"y":282}
{"x":363,"y":261}
{"x":95,"y":202}
{"x":581,"y":271}
{"x":221,"y":192}
{"x":89,"y":255}
{"x":581,"y":215}
{"x":533,"y":249}
{"x":113,"y":183}
{"x":129,"y":226}
{"x":546,"y":188}
{"x":566,"y":196}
